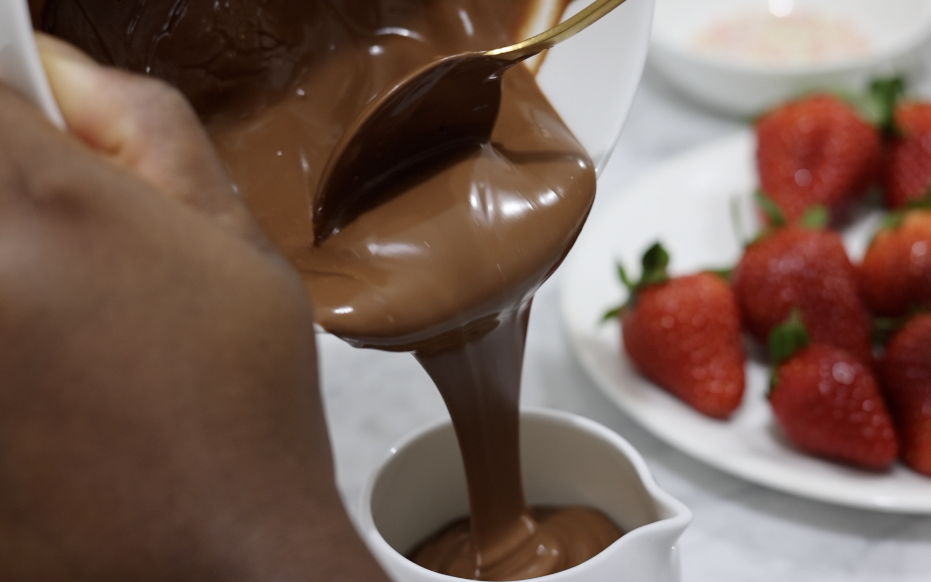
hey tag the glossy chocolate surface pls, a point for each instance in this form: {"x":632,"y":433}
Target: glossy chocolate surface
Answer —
{"x":441,"y":259}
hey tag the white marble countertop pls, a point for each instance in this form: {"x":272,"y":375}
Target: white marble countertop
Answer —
{"x":740,"y":532}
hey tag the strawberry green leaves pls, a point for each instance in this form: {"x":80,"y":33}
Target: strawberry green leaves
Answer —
{"x":653,"y":271}
{"x":788,"y":338}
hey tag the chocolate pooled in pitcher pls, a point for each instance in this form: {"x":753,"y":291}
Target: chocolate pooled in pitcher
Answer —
{"x":443,"y":263}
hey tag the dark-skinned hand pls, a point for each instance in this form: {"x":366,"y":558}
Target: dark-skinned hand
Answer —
{"x":159,"y":412}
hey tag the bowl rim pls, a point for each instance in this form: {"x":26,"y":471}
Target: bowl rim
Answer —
{"x":899,"y":47}
{"x":678,"y":518}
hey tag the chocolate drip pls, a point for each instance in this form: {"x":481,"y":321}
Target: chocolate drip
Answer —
{"x":421,"y":122}
{"x":480,"y":384}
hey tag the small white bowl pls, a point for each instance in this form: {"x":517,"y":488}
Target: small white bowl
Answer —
{"x":591,"y":79}
{"x":894,"y":29}
{"x":566,"y":460}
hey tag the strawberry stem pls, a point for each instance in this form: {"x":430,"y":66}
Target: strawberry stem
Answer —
{"x":631,"y":290}
{"x":885,"y":95}
{"x":877,"y":104}
{"x":612,"y":313}
{"x":770,"y":209}
{"x":788,"y":338}
{"x":785,"y":340}
{"x":885,"y":327}
{"x":654,"y":263}
{"x":725,"y":273}
{"x":622,"y":275}
{"x":921,"y":203}
{"x":815,"y":218}
{"x":894,"y":218}
{"x":655,"y":260}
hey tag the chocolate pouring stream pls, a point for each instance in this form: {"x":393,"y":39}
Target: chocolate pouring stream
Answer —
{"x":442,"y":262}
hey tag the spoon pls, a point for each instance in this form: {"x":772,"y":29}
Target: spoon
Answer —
{"x":20,"y":65}
{"x":436,"y":111}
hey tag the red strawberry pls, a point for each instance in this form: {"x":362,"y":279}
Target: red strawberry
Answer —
{"x":816,"y":151}
{"x":684,"y":334}
{"x":828,"y":403}
{"x":895,"y":276}
{"x":796,"y":267}
{"x":908,"y":162}
{"x":906,"y":376}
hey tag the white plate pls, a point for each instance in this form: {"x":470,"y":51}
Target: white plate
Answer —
{"x":686,"y":203}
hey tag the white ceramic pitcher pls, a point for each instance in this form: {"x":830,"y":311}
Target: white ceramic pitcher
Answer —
{"x":566,"y":460}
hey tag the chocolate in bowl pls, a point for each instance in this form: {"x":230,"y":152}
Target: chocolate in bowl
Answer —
{"x":445,"y":265}
{"x":566,"y":459}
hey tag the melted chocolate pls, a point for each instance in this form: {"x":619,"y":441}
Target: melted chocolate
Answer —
{"x":561,"y":537}
{"x":220,"y":53}
{"x":442,"y":261}
{"x":419,"y":122}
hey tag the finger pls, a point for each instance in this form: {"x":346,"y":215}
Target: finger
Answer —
{"x":146,"y":126}
{"x":30,"y":148}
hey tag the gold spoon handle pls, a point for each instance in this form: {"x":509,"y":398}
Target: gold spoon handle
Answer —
{"x":558,"y":33}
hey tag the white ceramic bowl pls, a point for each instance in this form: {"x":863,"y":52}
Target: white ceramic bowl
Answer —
{"x":566,"y":460}
{"x":894,"y":30}
{"x":591,"y":78}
